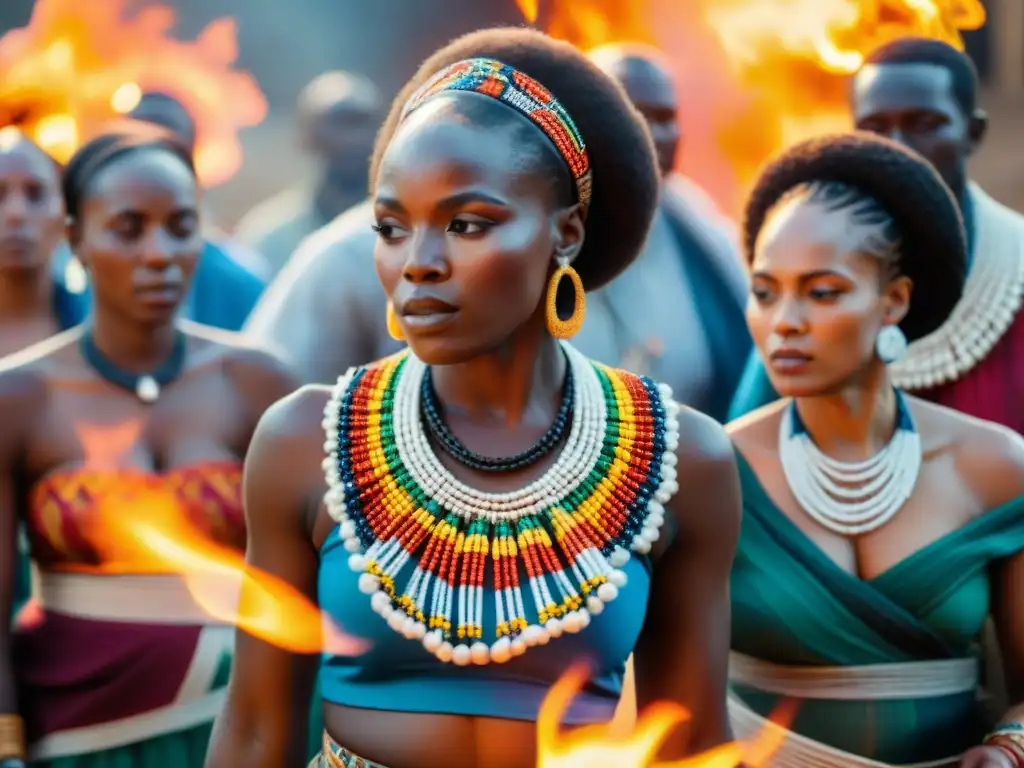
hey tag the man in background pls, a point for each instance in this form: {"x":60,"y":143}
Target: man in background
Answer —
{"x":338,"y":114}
{"x":923,"y":94}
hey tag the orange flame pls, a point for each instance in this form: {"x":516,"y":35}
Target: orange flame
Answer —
{"x":793,"y":60}
{"x":754,"y":76}
{"x":140,"y":527}
{"x":157,"y":538}
{"x":77,"y":65}
{"x":603,"y":746}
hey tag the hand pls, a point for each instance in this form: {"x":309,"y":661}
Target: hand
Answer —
{"x":986,"y":757}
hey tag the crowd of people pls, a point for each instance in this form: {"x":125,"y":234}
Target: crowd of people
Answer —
{"x":533,"y":401}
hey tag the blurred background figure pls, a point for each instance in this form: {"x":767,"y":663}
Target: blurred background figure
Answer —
{"x":227,"y":282}
{"x":338,"y":115}
{"x":691,"y":333}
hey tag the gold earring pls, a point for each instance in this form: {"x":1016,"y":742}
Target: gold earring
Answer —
{"x":557,"y":327}
{"x":394,"y":329}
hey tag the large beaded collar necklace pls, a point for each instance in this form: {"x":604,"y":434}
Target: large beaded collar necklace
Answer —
{"x":431,"y":550}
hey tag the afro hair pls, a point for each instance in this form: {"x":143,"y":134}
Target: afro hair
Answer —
{"x":933,"y":250}
{"x":625,"y":172}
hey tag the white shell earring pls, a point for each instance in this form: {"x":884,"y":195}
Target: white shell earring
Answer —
{"x":891,"y":344}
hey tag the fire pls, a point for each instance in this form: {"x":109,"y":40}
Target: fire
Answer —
{"x":78,"y":65}
{"x":754,"y":76}
{"x":793,"y":60}
{"x":139,"y":528}
{"x":607,"y":746}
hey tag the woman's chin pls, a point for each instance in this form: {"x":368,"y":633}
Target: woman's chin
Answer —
{"x":443,"y":350}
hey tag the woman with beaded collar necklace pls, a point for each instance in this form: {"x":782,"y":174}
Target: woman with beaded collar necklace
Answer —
{"x":119,"y":666}
{"x":478,"y":581}
{"x":879,"y":530}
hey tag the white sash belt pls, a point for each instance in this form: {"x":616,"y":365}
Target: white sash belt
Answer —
{"x":796,"y":751}
{"x":143,"y":599}
{"x":874,"y":682}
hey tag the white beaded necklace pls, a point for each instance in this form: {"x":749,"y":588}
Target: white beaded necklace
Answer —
{"x":850,"y":498}
{"x":382,"y":563}
{"x":992,"y":297}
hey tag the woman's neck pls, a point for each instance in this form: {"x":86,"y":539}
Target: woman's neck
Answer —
{"x":25,"y":294}
{"x":855,"y":423}
{"x":132,"y":346}
{"x":525,"y":376}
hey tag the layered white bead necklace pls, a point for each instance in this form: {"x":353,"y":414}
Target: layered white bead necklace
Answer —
{"x":850,"y":498}
{"x":433,"y":552}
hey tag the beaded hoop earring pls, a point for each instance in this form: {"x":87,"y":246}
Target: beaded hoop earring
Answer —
{"x":394,"y":329}
{"x":557,"y":327}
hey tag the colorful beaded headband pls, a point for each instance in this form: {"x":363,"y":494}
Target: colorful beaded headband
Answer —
{"x":521,"y":92}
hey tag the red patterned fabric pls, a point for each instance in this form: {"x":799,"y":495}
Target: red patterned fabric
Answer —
{"x":62,"y":514}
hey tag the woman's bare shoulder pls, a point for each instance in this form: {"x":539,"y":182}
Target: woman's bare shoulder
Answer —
{"x":296,"y":420}
{"x":707,"y":505}
{"x":24,"y":373}
{"x":757,"y":432}
{"x":38,"y":356}
{"x":989,"y":457}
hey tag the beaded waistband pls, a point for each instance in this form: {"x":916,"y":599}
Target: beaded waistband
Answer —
{"x":336,"y":756}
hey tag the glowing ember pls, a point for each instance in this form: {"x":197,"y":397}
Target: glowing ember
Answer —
{"x":77,"y":65}
{"x":606,"y":746}
{"x":754,"y":76}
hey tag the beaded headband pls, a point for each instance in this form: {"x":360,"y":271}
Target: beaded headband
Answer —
{"x":524,"y":94}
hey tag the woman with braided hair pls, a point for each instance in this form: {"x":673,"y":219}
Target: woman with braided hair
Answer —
{"x":493,"y":506}
{"x":879,"y":530}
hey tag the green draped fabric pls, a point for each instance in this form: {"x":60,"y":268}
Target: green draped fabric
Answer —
{"x":792,"y":605}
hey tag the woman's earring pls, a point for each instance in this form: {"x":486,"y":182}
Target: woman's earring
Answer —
{"x":394,"y":329}
{"x":891,"y":344}
{"x":569,"y":327}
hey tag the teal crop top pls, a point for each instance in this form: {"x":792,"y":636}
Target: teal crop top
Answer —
{"x":399,"y":675}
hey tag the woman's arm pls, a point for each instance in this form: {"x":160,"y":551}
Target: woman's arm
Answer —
{"x":22,"y":396}
{"x":683,"y":651}
{"x":264,"y":724}
{"x":997,"y":466}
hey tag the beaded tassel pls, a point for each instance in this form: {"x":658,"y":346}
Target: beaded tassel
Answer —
{"x":433,"y":553}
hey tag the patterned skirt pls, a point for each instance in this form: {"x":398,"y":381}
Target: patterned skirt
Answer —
{"x":334,"y":755}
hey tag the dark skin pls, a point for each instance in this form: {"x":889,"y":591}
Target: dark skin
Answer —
{"x":137,"y":229}
{"x":816,"y":294}
{"x":31,"y":228}
{"x":914,"y":104}
{"x":166,"y":111}
{"x":478,"y":231}
{"x":339,"y":116}
{"x":649,"y":85}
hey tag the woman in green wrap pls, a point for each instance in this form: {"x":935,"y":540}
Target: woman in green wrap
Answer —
{"x":879,"y":530}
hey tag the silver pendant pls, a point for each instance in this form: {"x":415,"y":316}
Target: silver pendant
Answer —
{"x":147,"y":389}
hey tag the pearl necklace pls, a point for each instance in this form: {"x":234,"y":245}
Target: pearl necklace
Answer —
{"x":992,"y":297}
{"x":850,"y":498}
{"x":565,"y":537}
